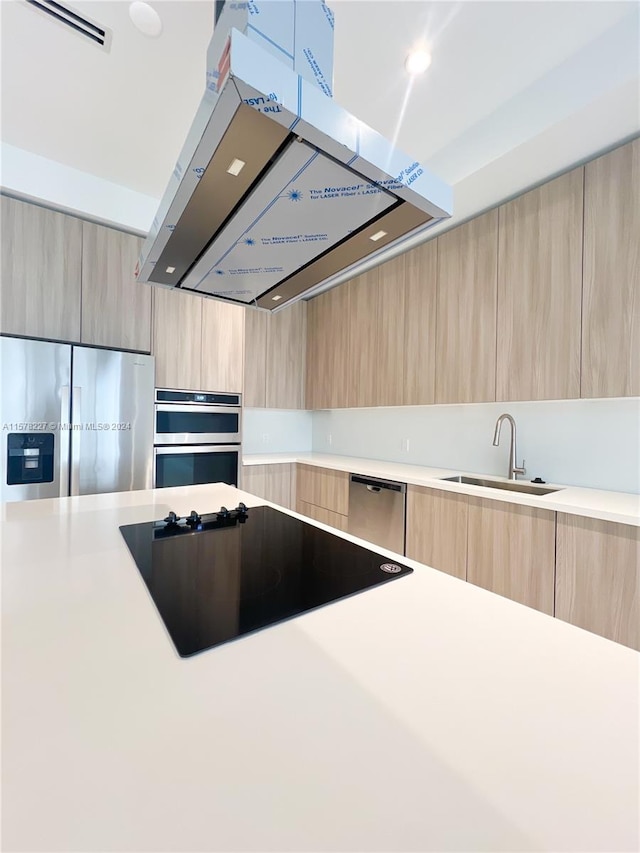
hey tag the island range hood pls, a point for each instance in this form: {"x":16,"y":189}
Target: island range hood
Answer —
{"x":278,"y":190}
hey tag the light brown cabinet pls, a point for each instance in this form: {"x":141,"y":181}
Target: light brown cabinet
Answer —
{"x":511,"y":551}
{"x":274,"y":483}
{"x":362,"y":363}
{"x":389,"y":333}
{"x":323,"y":487}
{"x":466,"y":312}
{"x":41,"y":272}
{"x":222,"y":346}
{"x":420,"y":324}
{"x":255,"y":357}
{"x":598,"y":577}
{"x":324,"y":516}
{"x":116,"y":310}
{"x":437,"y":529}
{"x":177,"y":339}
{"x":611,"y":288}
{"x":327,"y":371}
{"x":539,"y":292}
{"x":285,"y":358}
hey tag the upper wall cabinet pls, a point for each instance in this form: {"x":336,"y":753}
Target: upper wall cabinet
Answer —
{"x":116,"y":310}
{"x":275,"y":357}
{"x":611,"y":289}
{"x":420,"y":324}
{"x":327,"y":371}
{"x":364,"y":342}
{"x":177,"y":339}
{"x":222,"y":346}
{"x":539,"y":292}
{"x":41,"y":268}
{"x":466,"y":312}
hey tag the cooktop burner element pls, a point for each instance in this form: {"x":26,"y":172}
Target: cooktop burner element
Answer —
{"x":214,"y":577}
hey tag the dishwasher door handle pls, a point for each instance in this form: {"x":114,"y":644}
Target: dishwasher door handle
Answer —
{"x":374,"y":488}
{"x":374,"y":484}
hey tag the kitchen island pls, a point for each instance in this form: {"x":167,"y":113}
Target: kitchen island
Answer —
{"x":424,"y":714}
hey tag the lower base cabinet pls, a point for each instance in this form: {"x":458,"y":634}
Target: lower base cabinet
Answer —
{"x":511,"y":551}
{"x":273,"y":483}
{"x":324,"y":516}
{"x":437,"y":529}
{"x":598,"y":577}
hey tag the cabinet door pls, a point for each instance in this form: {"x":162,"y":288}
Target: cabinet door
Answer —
{"x":41,"y":268}
{"x":270,"y":482}
{"x":420,"y":324}
{"x":116,"y":310}
{"x":540,"y":292}
{"x":363,"y":362}
{"x":598,"y":577}
{"x":328,"y":350}
{"x":437,"y":529}
{"x":222,"y":346}
{"x":323,"y":487}
{"x":177,"y":339}
{"x":390,"y":333}
{"x":286,"y":355}
{"x":611,"y":291}
{"x":466,"y":312}
{"x":255,"y":357}
{"x":325,"y":516}
{"x":511,"y":551}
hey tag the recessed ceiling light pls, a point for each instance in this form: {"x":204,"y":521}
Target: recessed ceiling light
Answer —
{"x":145,"y":18}
{"x":378,"y":236}
{"x":275,"y":298}
{"x":418,"y":61}
{"x":171,"y":269}
{"x":236,"y":167}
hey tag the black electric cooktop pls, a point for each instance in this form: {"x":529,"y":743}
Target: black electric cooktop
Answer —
{"x":216,"y":577}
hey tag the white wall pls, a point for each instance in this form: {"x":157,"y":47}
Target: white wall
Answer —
{"x":592,"y":443}
{"x":276,"y":431}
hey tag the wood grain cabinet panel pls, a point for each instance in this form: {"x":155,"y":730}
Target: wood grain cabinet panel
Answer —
{"x":177,"y":339}
{"x":364,"y":345}
{"x":41,"y":272}
{"x":222,"y":346}
{"x":327,"y":373}
{"x":598,"y":577}
{"x":420,"y":324}
{"x":324,"y":516}
{"x":466,"y":312}
{"x":437,"y":529}
{"x":286,"y":355}
{"x":611,"y":289}
{"x":511,"y":551}
{"x":323,"y":487}
{"x":116,"y":310}
{"x":539,"y":292}
{"x":255,"y":357}
{"x":269,"y":482}
{"x":389,"y":333}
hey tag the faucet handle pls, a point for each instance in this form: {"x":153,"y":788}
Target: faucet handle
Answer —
{"x":522,"y":470}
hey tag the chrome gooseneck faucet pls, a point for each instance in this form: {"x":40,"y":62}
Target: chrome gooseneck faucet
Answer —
{"x":513,"y":467}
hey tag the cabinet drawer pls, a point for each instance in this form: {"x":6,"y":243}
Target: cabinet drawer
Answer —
{"x":325,"y":516}
{"x":323,"y":487}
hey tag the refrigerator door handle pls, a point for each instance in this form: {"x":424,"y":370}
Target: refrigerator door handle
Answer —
{"x":63,"y":446}
{"x":76,"y":432}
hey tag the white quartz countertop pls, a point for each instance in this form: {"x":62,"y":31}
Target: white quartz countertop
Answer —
{"x":622,"y":507}
{"x":423,"y":715}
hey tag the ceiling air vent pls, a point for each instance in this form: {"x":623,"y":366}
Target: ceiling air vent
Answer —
{"x":76,"y":22}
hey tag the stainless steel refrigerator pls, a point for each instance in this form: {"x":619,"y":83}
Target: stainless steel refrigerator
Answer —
{"x":74,"y":420}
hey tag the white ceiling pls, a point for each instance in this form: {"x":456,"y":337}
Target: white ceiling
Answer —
{"x":517,"y":90}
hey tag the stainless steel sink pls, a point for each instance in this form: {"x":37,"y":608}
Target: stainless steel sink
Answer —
{"x":509,"y":486}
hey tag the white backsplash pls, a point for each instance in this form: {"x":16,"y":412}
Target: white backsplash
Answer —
{"x":592,"y":443}
{"x":276,"y":431}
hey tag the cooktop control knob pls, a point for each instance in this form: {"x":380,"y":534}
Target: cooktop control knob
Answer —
{"x":193,"y":519}
{"x":172,"y":518}
{"x":223,"y":512}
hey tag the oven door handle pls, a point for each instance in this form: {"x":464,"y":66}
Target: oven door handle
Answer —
{"x":207,"y":448}
{"x":198,"y":410}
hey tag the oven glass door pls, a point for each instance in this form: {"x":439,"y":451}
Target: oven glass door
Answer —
{"x":192,"y":466}
{"x":196,"y":424}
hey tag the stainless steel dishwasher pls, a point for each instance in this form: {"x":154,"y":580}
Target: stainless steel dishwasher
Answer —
{"x":376,"y":511}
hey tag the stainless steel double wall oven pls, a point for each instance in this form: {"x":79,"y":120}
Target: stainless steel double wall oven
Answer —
{"x":197,"y":437}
